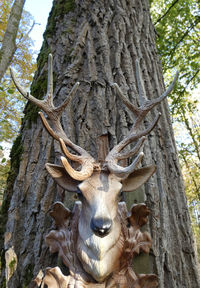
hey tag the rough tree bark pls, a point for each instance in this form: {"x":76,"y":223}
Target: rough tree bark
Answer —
{"x":9,"y":47}
{"x":96,"y":43}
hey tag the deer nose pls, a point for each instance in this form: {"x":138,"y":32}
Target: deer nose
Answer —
{"x":101,"y":226}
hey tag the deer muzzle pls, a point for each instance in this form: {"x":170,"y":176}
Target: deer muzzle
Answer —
{"x":101,"y":226}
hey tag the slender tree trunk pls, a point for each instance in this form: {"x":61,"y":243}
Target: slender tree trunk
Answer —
{"x":97,"y":43}
{"x":9,"y":47}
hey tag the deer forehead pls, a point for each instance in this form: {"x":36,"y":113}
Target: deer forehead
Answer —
{"x":100,"y":183}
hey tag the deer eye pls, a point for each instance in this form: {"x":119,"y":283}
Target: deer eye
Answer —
{"x":121,"y":196}
{"x":79,"y":192}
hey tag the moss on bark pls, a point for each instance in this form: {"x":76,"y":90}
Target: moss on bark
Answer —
{"x":15,"y":157}
{"x":60,"y":8}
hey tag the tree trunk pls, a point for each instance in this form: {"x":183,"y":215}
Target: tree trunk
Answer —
{"x":97,"y":43}
{"x":9,"y":41}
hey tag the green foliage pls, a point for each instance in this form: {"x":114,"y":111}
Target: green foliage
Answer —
{"x":177,"y":23}
{"x":12,"y":103}
{"x":11,"y":110}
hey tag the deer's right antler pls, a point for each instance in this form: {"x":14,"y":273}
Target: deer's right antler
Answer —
{"x":54,"y":113}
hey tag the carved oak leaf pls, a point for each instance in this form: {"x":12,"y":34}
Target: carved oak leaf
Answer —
{"x":124,"y":278}
{"x":55,"y":279}
{"x":139,"y":215}
{"x":128,"y":279}
{"x":148,"y":281}
{"x":56,"y":238}
{"x":61,"y":240}
{"x":137,"y":241}
{"x":142,"y":242}
{"x":53,"y":240}
{"x":60,"y":214}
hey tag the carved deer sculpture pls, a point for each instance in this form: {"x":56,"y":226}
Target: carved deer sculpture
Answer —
{"x":98,"y":240}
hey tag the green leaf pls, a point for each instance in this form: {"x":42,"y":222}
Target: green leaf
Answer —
{"x":10,"y":91}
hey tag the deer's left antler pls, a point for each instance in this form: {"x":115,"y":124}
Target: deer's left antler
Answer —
{"x":140,"y":112}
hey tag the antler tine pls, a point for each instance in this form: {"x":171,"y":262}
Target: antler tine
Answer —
{"x":131,"y":138}
{"x":60,"y":108}
{"x":68,"y":154}
{"x":134,"y":150}
{"x":124,"y":171}
{"x":61,"y":135}
{"x":140,"y":113}
{"x":141,"y":90}
{"x":147,"y":105}
{"x":54,"y":114}
{"x":114,"y":155}
{"x":128,"y":104}
{"x":86,"y":171}
{"x":25,"y":94}
{"x":49,"y":96}
{"x":154,"y":102}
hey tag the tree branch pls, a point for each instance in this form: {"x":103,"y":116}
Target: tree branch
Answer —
{"x":186,"y":121}
{"x":192,"y":177}
{"x":23,"y":38}
{"x":161,"y":17}
{"x":9,"y":41}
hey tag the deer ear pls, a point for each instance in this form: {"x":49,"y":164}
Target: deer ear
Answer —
{"x":137,"y":178}
{"x":62,"y":178}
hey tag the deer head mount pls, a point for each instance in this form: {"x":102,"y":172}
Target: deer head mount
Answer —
{"x":102,"y":232}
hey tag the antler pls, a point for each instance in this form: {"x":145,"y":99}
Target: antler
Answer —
{"x":140,"y":112}
{"x":84,"y":158}
{"x":54,"y":113}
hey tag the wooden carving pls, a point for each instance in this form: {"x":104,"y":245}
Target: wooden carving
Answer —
{"x":99,"y":238}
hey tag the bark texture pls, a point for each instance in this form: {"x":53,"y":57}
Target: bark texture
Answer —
{"x":97,"y":43}
{"x":9,"y":46}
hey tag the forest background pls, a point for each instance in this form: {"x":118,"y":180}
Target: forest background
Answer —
{"x":177,"y":28}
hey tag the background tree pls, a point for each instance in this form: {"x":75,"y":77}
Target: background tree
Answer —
{"x":21,"y":57}
{"x":178,"y":47}
{"x":23,"y":61}
{"x":96,"y":43}
{"x":9,"y":45}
